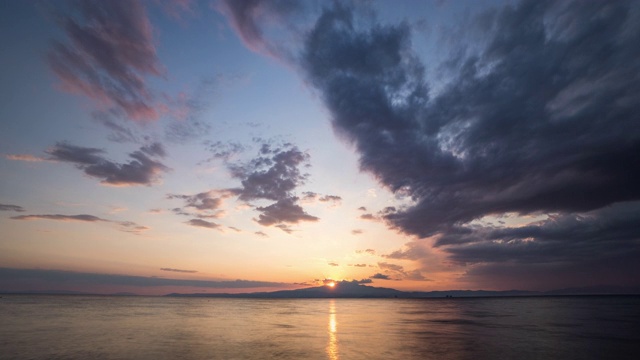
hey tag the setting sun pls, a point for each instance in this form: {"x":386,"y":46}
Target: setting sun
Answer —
{"x":331,"y":284}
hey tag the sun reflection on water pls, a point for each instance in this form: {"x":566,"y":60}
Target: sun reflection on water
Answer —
{"x":332,"y":347}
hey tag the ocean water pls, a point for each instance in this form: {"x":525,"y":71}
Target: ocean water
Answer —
{"x":102,"y":327}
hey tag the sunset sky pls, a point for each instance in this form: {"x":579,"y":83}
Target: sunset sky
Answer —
{"x":236,"y":146}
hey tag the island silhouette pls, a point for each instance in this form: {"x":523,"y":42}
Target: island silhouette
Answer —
{"x":354,"y":290}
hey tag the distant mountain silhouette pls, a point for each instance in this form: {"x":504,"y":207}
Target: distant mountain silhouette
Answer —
{"x":346,"y":289}
{"x":351,"y":289}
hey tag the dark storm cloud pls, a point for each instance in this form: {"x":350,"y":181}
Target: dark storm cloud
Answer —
{"x":539,"y":116}
{"x":540,"y":120}
{"x":607,"y":232}
{"x":141,"y":170}
{"x":203,"y":223}
{"x":52,"y":278}
{"x":108,"y":51}
{"x":9,"y":207}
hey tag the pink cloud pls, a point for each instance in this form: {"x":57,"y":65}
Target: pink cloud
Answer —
{"x":108,"y":53}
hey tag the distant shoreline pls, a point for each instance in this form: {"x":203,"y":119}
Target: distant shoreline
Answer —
{"x":353,"y":291}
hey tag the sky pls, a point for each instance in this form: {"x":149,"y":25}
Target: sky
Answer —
{"x":240,"y":146}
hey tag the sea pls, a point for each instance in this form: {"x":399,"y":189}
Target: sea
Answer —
{"x":137,"y":327}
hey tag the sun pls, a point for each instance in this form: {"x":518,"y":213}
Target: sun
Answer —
{"x":331,"y":284}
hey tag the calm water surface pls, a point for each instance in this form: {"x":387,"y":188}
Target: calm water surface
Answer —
{"x":95,"y":327}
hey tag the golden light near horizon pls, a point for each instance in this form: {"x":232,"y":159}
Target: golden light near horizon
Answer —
{"x":331,"y":284}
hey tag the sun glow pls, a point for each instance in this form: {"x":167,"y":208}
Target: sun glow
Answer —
{"x":331,"y":284}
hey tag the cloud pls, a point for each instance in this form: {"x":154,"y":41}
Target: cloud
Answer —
{"x":414,"y":251}
{"x":203,"y":223}
{"x":400,"y":273}
{"x":107,"y":54}
{"x":358,"y":265}
{"x":125,"y":226}
{"x":247,"y":19}
{"x":9,"y":207}
{"x":607,"y":232}
{"x":82,"y":217}
{"x":206,"y":204}
{"x":532,"y":119}
{"x":141,"y":170}
{"x":494,"y":140}
{"x":367,"y":251}
{"x":285,"y":228}
{"x":179,"y":270}
{"x":260,"y":233}
{"x":132,"y":227}
{"x":333,"y":264}
{"x":24,"y":157}
{"x":362,"y":281}
{"x":310,"y":196}
{"x":283,"y":211}
{"x":274,"y":175}
{"x":225,"y":151}
{"x":330,"y":198}
{"x":54,"y":278}
{"x":368,"y":217}
{"x":392,"y":267}
{"x":380,"y":276}
{"x":357,"y":231}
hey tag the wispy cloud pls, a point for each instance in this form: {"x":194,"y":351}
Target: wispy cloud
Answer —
{"x":248,"y":18}
{"x":126,"y":226}
{"x":366,"y":251}
{"x":81,"y":217}
{"x":179,"y":270}
{"x":10,"y":207}
{"x":25,"y":157}
{"x":107,"y":54}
